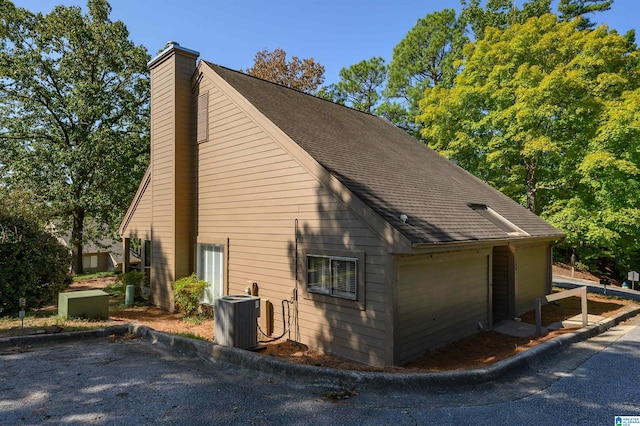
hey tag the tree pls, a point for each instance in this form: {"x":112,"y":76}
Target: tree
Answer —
{"x":359,"y":86}
{"x":529,"y":113}
{"x":571,"y":9}
{"x":33,"y":264}
{"x":426,"y":57}
{"x":602,"y":214}
{"x":74,"y":99}
{"x":499,"y":14}
{"x":305,"y":75}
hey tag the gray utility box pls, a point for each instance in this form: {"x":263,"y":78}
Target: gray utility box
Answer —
{"x":235,"y":318}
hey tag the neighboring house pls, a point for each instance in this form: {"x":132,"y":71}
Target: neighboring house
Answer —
{"x":384,"y":248}
{"x":104,"y":255}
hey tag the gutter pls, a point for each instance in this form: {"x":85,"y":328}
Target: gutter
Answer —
{"x":471,"y":244}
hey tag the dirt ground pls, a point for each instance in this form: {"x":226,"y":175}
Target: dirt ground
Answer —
{"x":476,"y":351}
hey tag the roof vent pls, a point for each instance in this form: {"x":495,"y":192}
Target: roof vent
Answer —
{"x":497,"y":219}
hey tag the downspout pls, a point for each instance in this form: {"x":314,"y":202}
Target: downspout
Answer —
{"x":295,"y":290}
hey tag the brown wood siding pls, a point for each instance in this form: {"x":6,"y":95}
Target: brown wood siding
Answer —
{"x":172,"y":140}
{"x":184,"y":170}
{"x":139,"y":225}
{"x":440,"y":298}
{"x":532,"y":265}
{"x":162,"y":138}
{"x":251,"y":190}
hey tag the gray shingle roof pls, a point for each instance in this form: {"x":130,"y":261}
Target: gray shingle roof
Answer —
{"x":389,"y":170}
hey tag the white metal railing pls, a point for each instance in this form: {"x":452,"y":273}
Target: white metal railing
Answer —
{"x":580,"y":291}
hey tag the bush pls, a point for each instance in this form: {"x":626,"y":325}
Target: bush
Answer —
{"x":33,"y":264}
{"x":186,"y":294}
{"x":133,"y":278}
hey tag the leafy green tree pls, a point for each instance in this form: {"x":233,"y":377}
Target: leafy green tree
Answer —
{"x":602,"y":213}
{"x":24,"y":203}
{"x":526,"y":114}
{"x":33,"y":264}
{"x":500,"y":14}
{"x":571,"y":9}
{"x":360,"y":85}
{"x":425,"y":58}
{"x":305,"y":75}
{"x":74,"y":118}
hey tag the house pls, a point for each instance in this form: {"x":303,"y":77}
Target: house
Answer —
{"x":382,"y":248}
{"x":102,"y":255}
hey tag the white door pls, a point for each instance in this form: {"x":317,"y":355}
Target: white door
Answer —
{"x":211,"y":269}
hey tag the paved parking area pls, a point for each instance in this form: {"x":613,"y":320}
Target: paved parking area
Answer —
{"x":97,"y":381}
{"x":136,"y":382}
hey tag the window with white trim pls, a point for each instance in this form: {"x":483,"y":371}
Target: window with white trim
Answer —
{"x":332,"y":275}
{"x":210,"y":268}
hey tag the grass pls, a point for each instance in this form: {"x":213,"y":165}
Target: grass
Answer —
{"x":117,"y":288}
{"x":39,"y":321}
{"x":196,"y":320}
{"x":191,"y":336}
{"x":93,"y":276}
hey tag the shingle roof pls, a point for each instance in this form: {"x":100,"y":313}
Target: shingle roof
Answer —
{"x":389,"y":170}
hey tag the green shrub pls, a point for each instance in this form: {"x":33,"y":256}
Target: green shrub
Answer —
{"x":133,"y":278}
{"x":186,"y":294}
{"x":33,"y":264}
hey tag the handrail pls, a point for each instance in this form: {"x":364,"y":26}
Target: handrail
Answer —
{"x":580,"y":291}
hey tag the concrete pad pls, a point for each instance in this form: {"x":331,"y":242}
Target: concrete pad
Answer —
{"x":517,"y":328}
{"x":576,"y":322}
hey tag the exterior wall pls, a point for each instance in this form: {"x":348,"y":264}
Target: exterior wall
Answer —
{"x":503,"y":295}
{"x":440,"y":297}
{"x":172,"y":139}
{"x":532,"y":266}
{"x":139,"y":223}
{"x":103,"y":262}
{"x":271,"y":210}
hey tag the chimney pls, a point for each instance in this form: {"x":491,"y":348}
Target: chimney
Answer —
{"x":172,"y":169}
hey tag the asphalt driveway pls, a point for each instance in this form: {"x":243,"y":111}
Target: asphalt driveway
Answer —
{"x":123,"y":382}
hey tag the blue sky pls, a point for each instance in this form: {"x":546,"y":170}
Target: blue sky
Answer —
{"x":335,"y":33}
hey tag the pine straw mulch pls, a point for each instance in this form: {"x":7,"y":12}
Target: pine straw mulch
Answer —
{"x":476,"y":351}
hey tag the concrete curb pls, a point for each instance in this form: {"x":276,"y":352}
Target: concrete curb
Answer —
{"x":321,"y":375}
{"x":214,"y":353}
{"x":38,"y":339}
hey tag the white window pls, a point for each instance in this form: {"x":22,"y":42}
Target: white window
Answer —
{"x":334,"y":276}
{"x":90,"y":261}
{"x":210,"y":268}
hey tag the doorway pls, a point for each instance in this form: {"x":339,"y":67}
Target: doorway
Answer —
{"x":503,"y":293}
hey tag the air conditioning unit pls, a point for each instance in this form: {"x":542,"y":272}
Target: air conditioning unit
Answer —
{"x":235,"y":319}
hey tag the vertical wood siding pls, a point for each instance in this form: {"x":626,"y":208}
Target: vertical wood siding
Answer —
{"x":440,"y":298}
{"x":532,"y":265}
{"x":162,"y":139}
{"x":172,"y":138}
{"x":251,"y":191}
{"x":184,"y":170}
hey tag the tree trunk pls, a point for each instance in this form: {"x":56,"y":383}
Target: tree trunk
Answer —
{"x":76,"y":240}
{"x":531,"y":187}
